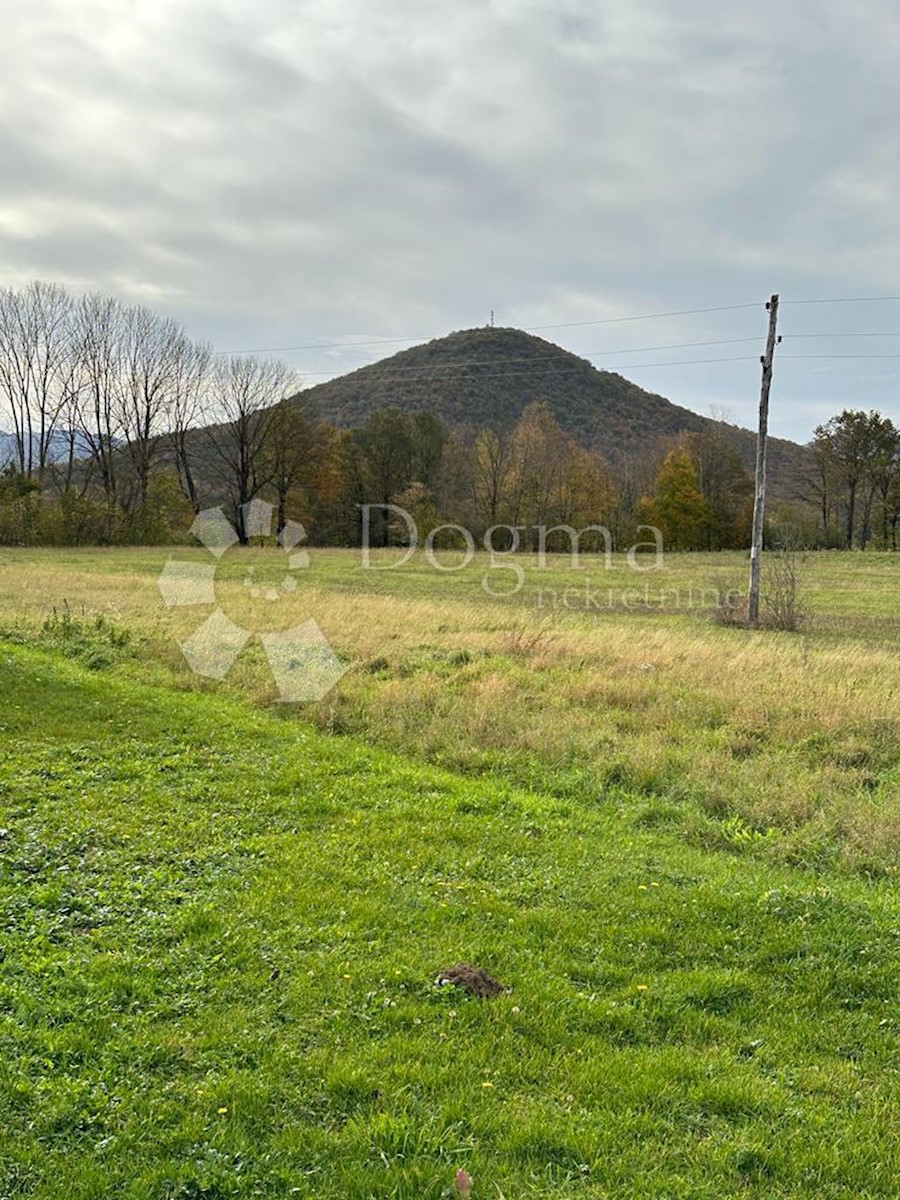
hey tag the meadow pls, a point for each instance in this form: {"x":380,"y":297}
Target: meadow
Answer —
{"x":582,"y":684}
{"x":222,"y":915}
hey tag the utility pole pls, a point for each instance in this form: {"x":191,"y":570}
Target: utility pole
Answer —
{"x":759,"y":502}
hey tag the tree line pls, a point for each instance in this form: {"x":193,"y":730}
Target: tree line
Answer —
{"x":119,"y":428}
{"x":857,"y":481}
{"x":102,"y":404}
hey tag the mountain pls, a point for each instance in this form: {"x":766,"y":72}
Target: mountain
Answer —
{"x":488,"y":376}
{"x":58,"y":448}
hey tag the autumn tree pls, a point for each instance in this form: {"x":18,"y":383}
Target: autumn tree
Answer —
{"x":726,"y":485}
{"x":678,"y":507}
{"x":301,"y":454}
{"x":391,"y":452}
{"x":540,"y":455}
{"x":491,"y":468}
{"x":553,"y":485}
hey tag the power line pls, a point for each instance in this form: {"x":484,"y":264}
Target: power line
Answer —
{"x":547,"y":372}
{"x":847,"y":300}
{"x":788,"y":336}
{"x":416,"y":375}
{"x":339,"y":345}
{"x":685,"y":312}
{"x":687,"y":362}
{"x":555,"y":371}
{"x":826,"y":356}
{"x":449,"y":364}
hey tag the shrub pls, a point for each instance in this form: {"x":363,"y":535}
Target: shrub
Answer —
{"x":781,"y":589}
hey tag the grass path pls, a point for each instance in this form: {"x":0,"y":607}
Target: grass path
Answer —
{"x":219,"y":929}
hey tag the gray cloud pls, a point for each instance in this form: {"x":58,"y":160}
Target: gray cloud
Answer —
{"x":275,"y":173}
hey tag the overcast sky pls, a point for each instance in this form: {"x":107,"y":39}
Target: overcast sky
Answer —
{"x":288,"y":173}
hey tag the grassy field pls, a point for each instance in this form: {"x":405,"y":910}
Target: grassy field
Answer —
{"x":786,"y":745}
{"x":222,"y":915}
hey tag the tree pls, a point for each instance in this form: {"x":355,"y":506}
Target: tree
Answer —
{"x":552,"y":483}
{"x":35,"y":357}
{"x":151,"y":347}
{"x":384,"y":467}
{"x":492,"y":466}
{"x":301,"y":452}
{"x":678,"y":508}
{"x":848,"y":450}
{"x":98,"y":352}
{"x":727,"y":486}
{"x":187,"y":406}
{"x":885,"y":475}
{"x":540,"y":454}
{"x":245,"y":393}
{"x":18,"y":500}
{"x":429,"y":437}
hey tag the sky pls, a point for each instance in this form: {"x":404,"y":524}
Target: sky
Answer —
{"x":339,"y":179}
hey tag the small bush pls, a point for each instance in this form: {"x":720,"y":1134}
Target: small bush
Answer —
{"x":782,"y":606}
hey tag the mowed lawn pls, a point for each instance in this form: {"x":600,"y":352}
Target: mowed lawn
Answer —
{"x":220,"y":929}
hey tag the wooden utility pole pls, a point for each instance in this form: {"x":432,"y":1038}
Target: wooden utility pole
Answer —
{"x":759,"y":502}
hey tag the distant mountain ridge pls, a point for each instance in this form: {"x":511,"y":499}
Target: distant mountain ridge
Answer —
{"x":488,"y":376}
{"x":58,"y":447}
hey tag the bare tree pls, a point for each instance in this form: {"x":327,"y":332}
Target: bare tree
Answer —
{"x":188,"y":406}
{"x":35,"y":346}
{"x":98,"y":351}
{"x":492,"y":465}
{"x":245,"y":393}
{"x":150,"y":346}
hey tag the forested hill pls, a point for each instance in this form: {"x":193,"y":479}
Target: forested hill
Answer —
{"x":488,"y":376}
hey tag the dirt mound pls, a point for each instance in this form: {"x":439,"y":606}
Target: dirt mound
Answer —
{"x":474,"y":980}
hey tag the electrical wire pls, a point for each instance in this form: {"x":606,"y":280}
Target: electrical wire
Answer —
{"x":787,"y":336}
{"x":422,"y":369}
{"x":340,"y":345}
{"x":567,"y":370}
{"x":782,"y":357}
{"x":846,"y":300}
{"x":425,"y":369}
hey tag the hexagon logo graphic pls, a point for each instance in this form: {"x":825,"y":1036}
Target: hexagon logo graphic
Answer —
{"x":303,"y":663}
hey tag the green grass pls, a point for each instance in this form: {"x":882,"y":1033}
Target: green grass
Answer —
{"x":784,"y":747}
{"x":220,"y":928}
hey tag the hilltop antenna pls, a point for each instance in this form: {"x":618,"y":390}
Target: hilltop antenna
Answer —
{"x":492,"y":318}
